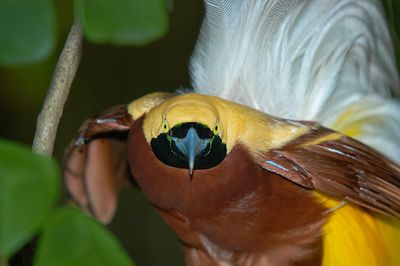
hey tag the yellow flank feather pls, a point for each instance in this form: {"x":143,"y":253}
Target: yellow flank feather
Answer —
{"x":354,"y":236}
{"x":353,"y":127}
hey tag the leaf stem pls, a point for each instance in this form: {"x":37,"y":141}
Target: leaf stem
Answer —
{"x":63,"y":76}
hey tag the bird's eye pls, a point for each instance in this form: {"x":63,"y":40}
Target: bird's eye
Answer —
{"x":165,"y":127}
{"x":216,"y":129}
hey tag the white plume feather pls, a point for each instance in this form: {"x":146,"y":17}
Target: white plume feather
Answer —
{"x":305,"y":60}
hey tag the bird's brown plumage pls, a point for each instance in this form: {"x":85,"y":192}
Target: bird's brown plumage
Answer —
{"x":257,"y":205}
{"x":235,"y":207}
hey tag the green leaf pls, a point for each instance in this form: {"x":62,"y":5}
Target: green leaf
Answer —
{"x":28,"y":189}
{"x":71,"y":238}
{"x":27,"y":31}
{"x":122,"y":22}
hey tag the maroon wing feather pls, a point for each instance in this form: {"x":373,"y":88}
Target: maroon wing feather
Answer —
{"x":342,"y":167}
{"x":95,"y":165}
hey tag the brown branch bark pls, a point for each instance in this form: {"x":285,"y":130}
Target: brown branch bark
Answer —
{"x":49,"y":117}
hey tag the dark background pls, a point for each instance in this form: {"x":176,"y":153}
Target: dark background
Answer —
{"x":107,"y":76}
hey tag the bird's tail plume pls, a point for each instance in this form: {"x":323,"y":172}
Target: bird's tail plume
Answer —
{"x":331,"y":61}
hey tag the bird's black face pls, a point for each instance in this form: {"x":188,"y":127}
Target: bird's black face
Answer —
{"x":189,"y":145}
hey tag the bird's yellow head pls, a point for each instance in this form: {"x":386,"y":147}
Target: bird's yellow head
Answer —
{"x":187,"y":131}
{"x":198,"y":131}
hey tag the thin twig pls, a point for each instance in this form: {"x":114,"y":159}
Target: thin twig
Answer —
{"x":49,"y":117}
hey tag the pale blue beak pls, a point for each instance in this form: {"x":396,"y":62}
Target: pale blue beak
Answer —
{"x":191,"y":145}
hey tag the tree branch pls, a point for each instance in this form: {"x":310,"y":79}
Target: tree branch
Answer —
{"x":49,"y":117}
